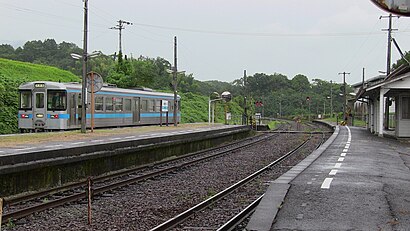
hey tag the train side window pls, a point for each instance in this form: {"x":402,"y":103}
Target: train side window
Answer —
{"x":151,"y":105}
{"x":118,"y":104}
{"x":127,"y":104}
{"x":39,"y":100}
{"x":56,"y":100}
{"x":99,"y":103}
{"x":157,"y":105}
{"x":109,"y":104}
{"x":25,"y":100}
{"x":144,"y":105}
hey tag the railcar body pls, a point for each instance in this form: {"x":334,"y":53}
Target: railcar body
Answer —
{"x":57,"y":106}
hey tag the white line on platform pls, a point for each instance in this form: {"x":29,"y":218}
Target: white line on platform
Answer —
{"x":115,"y":138}
{"x":338,"y":165}
{"x":24,"y":149}
{"x":53,"y":146}
{"x":345,"y":150}
{"x":143,"y":135}
{"x":343,"y":154}
{"x":333,"y":172}
{"x":129,"y":137}
{"x":96,"y":141}
{"x":326,"y":183}
{"x":347,"y":146}
{"x":341,"y":159}
{"x":77,"y":143}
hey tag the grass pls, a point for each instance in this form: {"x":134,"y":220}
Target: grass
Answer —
{"x":35,"y":72}
{"x":274,"y":124}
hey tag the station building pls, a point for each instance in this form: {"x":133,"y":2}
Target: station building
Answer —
{"x":384,"y":102}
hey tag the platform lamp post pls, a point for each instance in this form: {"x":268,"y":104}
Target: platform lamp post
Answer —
{"x":84,"y":58}
{"x":212,"y":99}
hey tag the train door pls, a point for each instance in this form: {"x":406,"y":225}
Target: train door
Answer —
{"x":39,"y":109}
{"x":136,"y":113}
{"x":73,"y":110}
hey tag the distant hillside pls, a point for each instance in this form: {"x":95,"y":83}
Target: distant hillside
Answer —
{"x":32,"y":72}
{"x":14,"y":73}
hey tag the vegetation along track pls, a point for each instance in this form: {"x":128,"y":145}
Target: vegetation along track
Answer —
{"x":148,"y":203}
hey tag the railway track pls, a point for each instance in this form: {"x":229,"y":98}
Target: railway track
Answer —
{"x":19,"y":207}
{"x":106,"y":186}
{"x":183,"y":220}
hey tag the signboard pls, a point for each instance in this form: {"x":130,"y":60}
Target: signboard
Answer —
{"x":164,"y":105}
{"x":258,"y":115}
{"x":228,"y":116}
{"x":400,"y":7}
{"x":95,"y":80}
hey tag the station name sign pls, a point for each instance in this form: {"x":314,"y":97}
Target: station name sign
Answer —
{"x":399,"y":7}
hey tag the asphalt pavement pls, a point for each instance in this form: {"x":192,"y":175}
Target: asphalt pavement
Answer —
{"x":359,"y":182}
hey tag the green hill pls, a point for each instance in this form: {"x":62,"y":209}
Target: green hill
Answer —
{"x":14,"y":73}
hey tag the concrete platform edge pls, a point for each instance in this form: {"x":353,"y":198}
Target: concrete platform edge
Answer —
{"x":264,"y":215}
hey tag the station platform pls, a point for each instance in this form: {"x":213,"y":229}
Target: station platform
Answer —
{"x":17,"y":144}
{"x":355,"y":181}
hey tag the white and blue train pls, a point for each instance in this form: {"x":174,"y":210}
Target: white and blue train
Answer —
{"x":51,"y":106}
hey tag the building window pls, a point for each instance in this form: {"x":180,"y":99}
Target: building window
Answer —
{"x":99,"y":103}
{"x":127,"y":104}
{"x":405,"y":111}
{"x":108,"y":104}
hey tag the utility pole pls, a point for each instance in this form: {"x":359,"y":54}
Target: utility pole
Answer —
{"x":389,"y":40}
{"x":344,"y":93}
{"x":174,"y":79}
{"x":84,"y":84}
{"x":245,"y":110}
{"x":331,"y":99}
{"x":120,"y":26}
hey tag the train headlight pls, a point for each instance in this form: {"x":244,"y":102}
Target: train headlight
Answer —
{"x":40,"y":115}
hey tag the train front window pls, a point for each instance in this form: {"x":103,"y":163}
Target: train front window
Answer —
{"x":56,"y":100}
{"x":25,"y":100}
{"x":39,"y":100}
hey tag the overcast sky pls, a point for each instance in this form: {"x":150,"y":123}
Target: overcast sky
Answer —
{"x":218,"y":39}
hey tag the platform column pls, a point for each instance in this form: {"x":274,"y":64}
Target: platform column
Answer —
{"x":383,"y":91}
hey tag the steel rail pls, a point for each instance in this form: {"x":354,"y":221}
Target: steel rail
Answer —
{"x":240,"y":217}
{"x":188,"y":213}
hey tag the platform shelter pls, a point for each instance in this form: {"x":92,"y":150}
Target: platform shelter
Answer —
{"x":387,"y":98}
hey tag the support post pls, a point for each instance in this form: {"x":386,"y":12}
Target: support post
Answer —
{"x":92,"y":102}
{"x":174,"y":77}
{"x":84,"y":86}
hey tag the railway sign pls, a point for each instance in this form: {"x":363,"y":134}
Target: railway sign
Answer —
{"x":399,"y":7}
{"x":164,"y":105}
{"x":94,"y":82}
